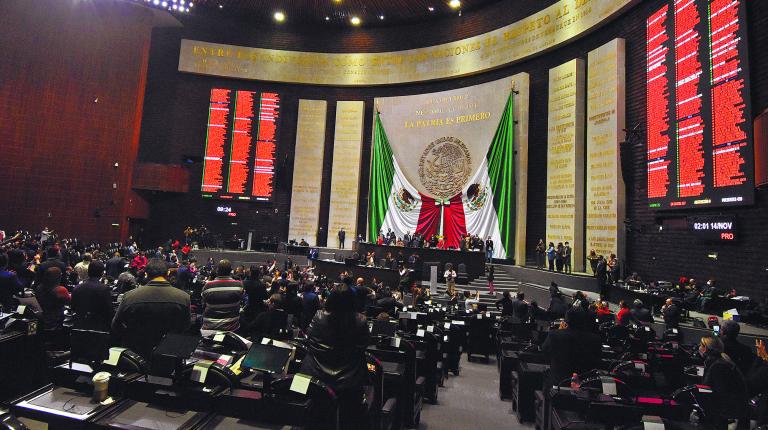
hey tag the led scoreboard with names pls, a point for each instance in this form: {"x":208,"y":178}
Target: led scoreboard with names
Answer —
{"x":241,"y":136}
{"x":699,"y":129}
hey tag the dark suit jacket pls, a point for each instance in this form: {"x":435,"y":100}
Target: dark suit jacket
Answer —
{"x":570,"y":351}
{"x":92,"y":304}
{"x":336,"y":352}
{"x":115,"y":266}
{"x":147,"y":313}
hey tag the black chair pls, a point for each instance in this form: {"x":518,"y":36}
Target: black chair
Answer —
{"x":317,"y":409}
{"x":411,"y":392}
{"x":462,"y":277}
{"x":480,"y":340}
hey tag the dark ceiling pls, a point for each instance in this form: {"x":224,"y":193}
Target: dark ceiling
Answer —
{"x":333,"y":12}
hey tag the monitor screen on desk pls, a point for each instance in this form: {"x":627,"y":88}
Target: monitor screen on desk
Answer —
{"x":267,"y":358}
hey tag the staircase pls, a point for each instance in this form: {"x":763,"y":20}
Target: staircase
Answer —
{"x":502,"y":281}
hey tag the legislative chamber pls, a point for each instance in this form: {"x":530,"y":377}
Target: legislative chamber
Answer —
{"x":383,"y":215}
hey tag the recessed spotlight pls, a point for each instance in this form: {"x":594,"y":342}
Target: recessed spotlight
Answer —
{"x":221,"y":6}
{"x":381,"y":17}
{"x":156,"y":2}
{"x":355,"y":20}
{"x":191,"y":5}
{"x":165,"y":4}
{"x":454,"y":4}
{"x":327,"y":18}
{"x":279,"y":16}
{"x":431,"y":9}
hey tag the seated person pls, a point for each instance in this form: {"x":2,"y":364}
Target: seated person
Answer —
{"x":634,"y":280}
{"x":640,"y":313}
{"x":624,"y":316}
{"x":572,"y":348}
{"x":52,"y":297}
{"x":604,"y":313}
{"x":338,"y":337}
{"x":149,"y":312}
{"x":729,"y":390}
{"x":10,"y":285}
{"x":92,"y":301}
{"x":269,"y":323}
{"x":387,"y":301}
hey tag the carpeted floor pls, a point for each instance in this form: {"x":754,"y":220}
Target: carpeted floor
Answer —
{"x":470,"y":401}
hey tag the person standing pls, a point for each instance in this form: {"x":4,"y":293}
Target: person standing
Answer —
{"x":490,"y":279}
{"x":489,"y":250}
{"x":601,"y":274}
{"x":450,"y":278}
{"x":551,"y":256}
{"x":81,"y":268}
{"x":92,"y":301}
{"x":567,"y":257}
{"x":342,"y":236}
{"x":592,"y":257}
{"x":541,"y":249}
{"x":613,"y":269}
{"x":560,"y":256}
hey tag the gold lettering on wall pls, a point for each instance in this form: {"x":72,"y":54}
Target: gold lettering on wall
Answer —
{"x":345,"y":180}
{"x":565,"y":159}
{"x":308,"y":171}
{"x":544,"y":30}
{"x":605,"y":122}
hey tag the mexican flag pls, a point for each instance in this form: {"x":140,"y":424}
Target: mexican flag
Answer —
{"x":393,"y":202}
{"x":485,"y":207}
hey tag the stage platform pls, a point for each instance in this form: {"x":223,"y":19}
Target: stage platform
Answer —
{"x":248,"y":258}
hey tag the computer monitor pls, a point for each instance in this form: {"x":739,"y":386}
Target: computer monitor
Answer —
{"x":269,"y":359}
{"x":384,"y":328}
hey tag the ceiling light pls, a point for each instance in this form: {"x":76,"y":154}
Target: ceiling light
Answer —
{"x":165,"y":4}
{"x":221,"y":7}
{"x":191,"y":5}
{"x":381,"y":17}
{"x":156,"y":2}
{"x":327,"y":18}
{"x":431,"y":9}
{"x":355,"y":20}
{"x":454,"y":4}
{"x":279,"y":16}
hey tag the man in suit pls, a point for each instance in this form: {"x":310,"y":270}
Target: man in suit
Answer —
{"x":342,"y":236}
{"x":519,"y":308}
{"x":567,"y":257}
{"x":602,"y":277}
{"x":572,"y":348}
{"x":489,"y":250}
{"x":116,"y":265}
{"x":147,"y":313}
{"x":92,"y":301}
{"x":407,"y":239}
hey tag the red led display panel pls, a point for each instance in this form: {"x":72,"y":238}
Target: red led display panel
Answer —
{"x":215,"y":138}
{"x":697,"y":105}
{"x":241,"y":138}
{"x":264,"y":160}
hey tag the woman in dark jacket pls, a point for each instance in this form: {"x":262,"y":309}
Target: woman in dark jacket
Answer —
{"x":338,"y":337}
{"x":52,"y":298}
{"x":729,"y":391}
